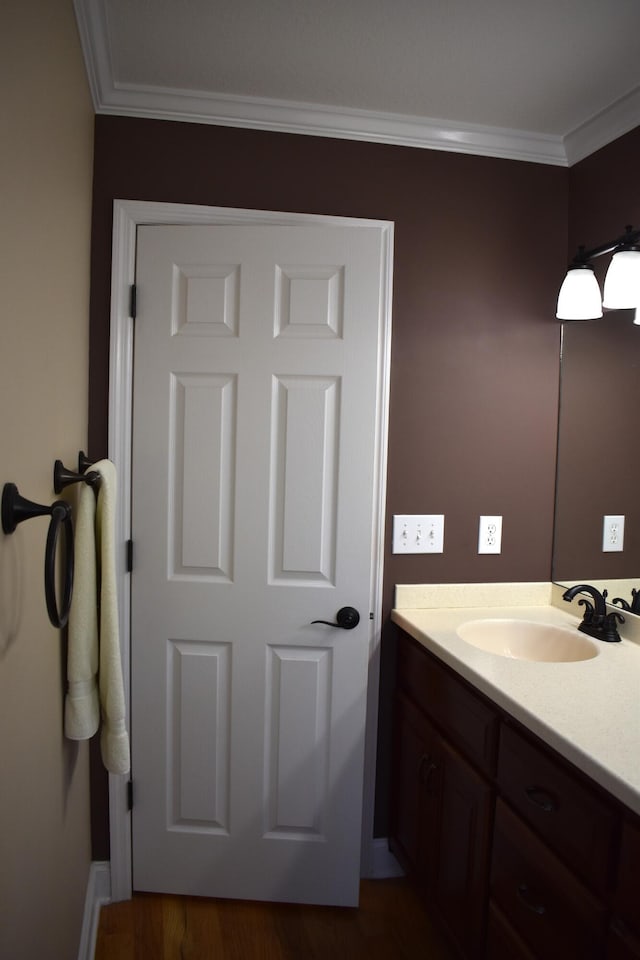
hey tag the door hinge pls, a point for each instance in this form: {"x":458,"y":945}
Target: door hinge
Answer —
{"x":133,"y":301}
{"x":129,"y":559}
{"x":130,"y":795}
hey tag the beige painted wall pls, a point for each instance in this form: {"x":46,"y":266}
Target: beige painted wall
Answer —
{"x":46,"y":119}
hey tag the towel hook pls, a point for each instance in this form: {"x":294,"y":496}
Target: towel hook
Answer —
{"x":15,"y":508}
{"x":62,"y":477}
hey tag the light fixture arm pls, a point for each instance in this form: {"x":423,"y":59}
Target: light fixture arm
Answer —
{"x":628,"y":239}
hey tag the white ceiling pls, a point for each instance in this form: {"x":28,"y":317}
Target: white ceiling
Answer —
{"x":542,"y":80}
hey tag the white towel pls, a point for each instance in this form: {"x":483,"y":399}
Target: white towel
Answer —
{"x":114,"y":740}
{"x":82,"y":708}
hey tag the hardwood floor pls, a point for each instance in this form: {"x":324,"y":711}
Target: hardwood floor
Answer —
{"x":390,"y":924}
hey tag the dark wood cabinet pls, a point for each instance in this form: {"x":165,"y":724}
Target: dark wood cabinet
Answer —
{"x":461,"y":846}
{"x":623,"y":944}
{"x":413,"y":747}
{"x":442,"y":804}
{"x":518,"y":854}
{"x":552,"y":912}
{"x":469,"y":723}
{"x":563,"y":809}
{"x":624,"y":930}
{"x":503,"y":943}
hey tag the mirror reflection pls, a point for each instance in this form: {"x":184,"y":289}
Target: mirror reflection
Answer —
{"x":598,"y":472}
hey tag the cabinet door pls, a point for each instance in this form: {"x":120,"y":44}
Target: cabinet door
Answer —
{"x":461,"y":864}
{"x":624,"y":934}
{"x":412,"y":771}
{"x":503,"y":943}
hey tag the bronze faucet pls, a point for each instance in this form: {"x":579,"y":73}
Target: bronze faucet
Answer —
{"x":596,"y":622}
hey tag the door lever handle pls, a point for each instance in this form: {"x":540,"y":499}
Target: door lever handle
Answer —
{"x":347,"y":618}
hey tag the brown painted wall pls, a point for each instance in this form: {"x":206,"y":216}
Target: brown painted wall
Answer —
{"x":598,"y":457}
{"x":480,"y":247}
{"x":603,"y":194}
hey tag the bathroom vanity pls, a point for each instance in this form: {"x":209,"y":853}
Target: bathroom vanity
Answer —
{"x":516,"y":789}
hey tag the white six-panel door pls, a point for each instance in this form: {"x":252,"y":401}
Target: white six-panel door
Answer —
{"x":253,"y":482}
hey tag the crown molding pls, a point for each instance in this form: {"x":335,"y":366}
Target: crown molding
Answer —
{"x":606,"y":126}
{"x":320,"y":120}
{"x":324,"y":121}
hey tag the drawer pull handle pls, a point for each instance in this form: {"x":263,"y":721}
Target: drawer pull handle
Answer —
{"x":620,"y":928}
{"x":426,"y":768}
{"x":431,"y":769}
{"x":525,"y":895}
{"x":422,"y":762}
{"x":541,"y":799}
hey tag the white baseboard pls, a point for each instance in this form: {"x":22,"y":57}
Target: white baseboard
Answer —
{"x":384,"y":865}
{"x":98,"y":894}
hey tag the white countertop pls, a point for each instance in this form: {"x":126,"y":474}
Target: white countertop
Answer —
{"x":589,"y":710}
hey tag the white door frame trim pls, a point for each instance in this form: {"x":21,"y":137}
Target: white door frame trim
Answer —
{"x":127,"y":216}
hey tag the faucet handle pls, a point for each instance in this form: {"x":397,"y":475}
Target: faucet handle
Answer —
{"x":622,"y":603}
{"x":588,"y":610}
{"x":609,"y":628}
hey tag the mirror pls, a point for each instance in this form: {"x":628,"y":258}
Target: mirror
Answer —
{"x":598,"y":466}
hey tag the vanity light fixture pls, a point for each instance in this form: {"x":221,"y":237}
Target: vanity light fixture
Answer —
{"x":579,"y":297}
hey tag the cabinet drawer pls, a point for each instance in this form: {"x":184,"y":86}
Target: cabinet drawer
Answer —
{"x":467,"y":720}
{"x":547,"y":906}
{"x":566,"y":812}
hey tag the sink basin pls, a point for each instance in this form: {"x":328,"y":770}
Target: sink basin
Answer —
{"x":528,"y":640}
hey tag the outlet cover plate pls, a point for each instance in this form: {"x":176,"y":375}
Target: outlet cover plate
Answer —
{"x":418,"y":533}
{"x":490,"y":535}
{"x":613,"y":534}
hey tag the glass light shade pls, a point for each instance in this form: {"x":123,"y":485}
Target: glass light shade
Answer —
{"x":579,"y":297}
{"x":622,"y":282}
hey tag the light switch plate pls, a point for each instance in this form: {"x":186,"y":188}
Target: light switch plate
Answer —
{"x":418,"y":533}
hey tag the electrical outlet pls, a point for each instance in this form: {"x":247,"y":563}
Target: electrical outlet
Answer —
{"x":418,"y":533}
{"x":613,"y":534}
{"x":490,"y":535}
